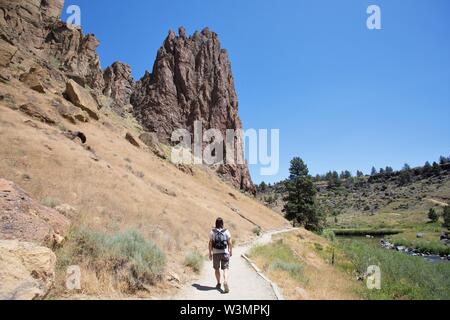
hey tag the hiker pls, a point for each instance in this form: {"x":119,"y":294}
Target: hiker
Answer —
{"x":220,"y":252}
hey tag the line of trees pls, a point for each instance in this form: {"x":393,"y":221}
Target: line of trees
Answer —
{"x":334,"y":178}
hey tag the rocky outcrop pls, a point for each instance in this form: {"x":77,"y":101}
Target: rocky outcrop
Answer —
{"x":191,"y":80}
{"x":24,"y":219}
{"x":34,"y":111}
{"x":76,"y":53}
{"x":81,"y":98}
{"x":27,"y":270}
{"x":33,"y":29}
{"x":119,"y":85}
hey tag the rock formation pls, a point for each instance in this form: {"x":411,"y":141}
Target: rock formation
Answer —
{"x":32,"y":28}
{"x":119,"y":85}
{"x":22,"y":218}
{"x":191,"y":80}
{"x":27,"y":270}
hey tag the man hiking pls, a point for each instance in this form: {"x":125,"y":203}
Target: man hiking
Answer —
{"x":220,"y":252}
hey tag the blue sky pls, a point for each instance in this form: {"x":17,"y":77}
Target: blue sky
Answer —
{"x":343,"y":96}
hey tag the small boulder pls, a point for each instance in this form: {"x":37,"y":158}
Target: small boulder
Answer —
{"x":71,"y":113}
{"x":7,"y":52}
{"x":32,"y":80}
{"x":72,"y":135}
{"x":81,"y":98}
{"x":420,"y":235}
{"x":130,"y":138}
{"x":150,"y":139}
{"x":34,"y":111}
{"x":27,"y":270}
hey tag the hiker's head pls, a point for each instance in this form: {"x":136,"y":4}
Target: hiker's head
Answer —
{"x":219,"y":223}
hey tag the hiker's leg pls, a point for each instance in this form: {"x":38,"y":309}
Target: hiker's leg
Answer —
{"x":225,"y":276}
{"x":218,"y":276}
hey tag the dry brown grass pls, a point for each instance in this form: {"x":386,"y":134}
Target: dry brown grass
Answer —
{"x":174,"y":209}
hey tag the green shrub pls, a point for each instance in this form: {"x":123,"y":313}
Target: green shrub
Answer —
{"x":279,"y":256}
{"x":50,"y":202}
{"x":194,"y":260}
{"x":446,"y":216}
{"x":329,"y":234}
{"x":128,"y":256}
{"x":294,"y":269}
{"x":257,"y":231}
{"x":432,"y":215}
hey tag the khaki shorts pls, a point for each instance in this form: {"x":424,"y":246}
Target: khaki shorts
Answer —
{"x":221,"y":261}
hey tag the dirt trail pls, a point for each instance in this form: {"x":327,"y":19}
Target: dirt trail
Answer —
{"x":245,"y":283}
{"x":443,"y":204}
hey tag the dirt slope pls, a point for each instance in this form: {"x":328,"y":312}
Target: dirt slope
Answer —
{"x":114,"y":185}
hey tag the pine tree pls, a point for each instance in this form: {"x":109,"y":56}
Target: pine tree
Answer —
{"x":359,"y":174}
{"x":443,"y":160}
{"x":433,"y":216}
{"x":300,"y":204}
{"x":374,"y":171}
{"x":446,"y":216}
{"x":263,"y":187}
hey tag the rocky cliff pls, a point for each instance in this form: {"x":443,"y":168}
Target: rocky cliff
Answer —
{"x":31,"y":33}
{"x":191,"y":80}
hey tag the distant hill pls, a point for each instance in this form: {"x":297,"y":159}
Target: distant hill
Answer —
{"x":409,"y":191}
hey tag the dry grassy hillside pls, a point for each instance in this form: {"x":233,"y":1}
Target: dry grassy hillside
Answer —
{"x":114,"y":185}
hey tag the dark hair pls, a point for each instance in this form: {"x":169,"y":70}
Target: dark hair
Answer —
{"x":219,"y":223}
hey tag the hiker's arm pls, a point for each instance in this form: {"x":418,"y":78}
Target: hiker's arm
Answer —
{"x":230,"y":245}
{"x":210,"y":247}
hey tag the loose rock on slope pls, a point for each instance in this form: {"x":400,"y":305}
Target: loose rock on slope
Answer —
{"x":22,"y":218}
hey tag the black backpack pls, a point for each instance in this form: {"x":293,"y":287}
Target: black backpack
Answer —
{"x":220,"y":240}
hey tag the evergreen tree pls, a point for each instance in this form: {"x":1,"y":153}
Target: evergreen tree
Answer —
{"x":300,"y":204}
{"x":382,"y":171}
{"x":389,"y":170}
{"x":374,"y":171}
{"x":405,"y":177}
{"x":406,"y":167}
{"x":436,"y":168}
{"x":443,"y":160}
{"x":359,"y":174}
{"x":263,"y":187}
{"x":446,"y":216}
{"x":432,"y":215}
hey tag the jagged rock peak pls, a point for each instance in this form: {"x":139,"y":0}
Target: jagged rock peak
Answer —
{"x":119,"y":84}
{"x":191,"y":80}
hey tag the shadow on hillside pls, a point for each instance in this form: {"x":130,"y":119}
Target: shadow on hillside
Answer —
{"x":199,"y":287}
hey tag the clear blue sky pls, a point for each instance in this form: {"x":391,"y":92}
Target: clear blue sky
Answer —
{"x":344,"y":97}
